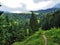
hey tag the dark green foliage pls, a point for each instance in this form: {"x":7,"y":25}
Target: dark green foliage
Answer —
{"x":56,"y":15}
{"x":33,"y":23}
{"x":46,"y":22}
{"x":7,"y":19}
{"x":26,"y":29}
{"x":56,"y":39}
{"x":10,"y":31}
{"x":51,"y":20}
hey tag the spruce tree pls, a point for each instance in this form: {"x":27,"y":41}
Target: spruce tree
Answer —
{"x":33,"y":23}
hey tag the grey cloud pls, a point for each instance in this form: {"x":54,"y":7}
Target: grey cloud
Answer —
{"x":5,"y":8}
{"x":23,"y":8}
{"x":37,"y":1}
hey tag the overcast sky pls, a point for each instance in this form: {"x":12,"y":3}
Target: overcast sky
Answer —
{"x":26,"y":5}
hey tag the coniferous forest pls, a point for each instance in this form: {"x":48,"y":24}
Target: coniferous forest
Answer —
{"x":30,"y":28}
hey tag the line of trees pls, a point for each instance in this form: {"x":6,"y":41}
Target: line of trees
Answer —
{"x":51,"y":20}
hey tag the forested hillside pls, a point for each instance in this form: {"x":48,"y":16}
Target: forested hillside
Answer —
{"x":49,"y":37}
{"x":30,"y":29}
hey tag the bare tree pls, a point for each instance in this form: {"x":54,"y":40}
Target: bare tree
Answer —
{"x":1,"y":11}
{"x":0,"y":4}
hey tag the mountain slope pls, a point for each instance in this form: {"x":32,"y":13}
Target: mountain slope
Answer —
{"x":35,"y":39}
{"x":47,"y":10}
{"x":57,"y":6}
{"x":50,"y":37}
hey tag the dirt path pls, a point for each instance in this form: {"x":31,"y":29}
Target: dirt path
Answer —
{"x":44,"y":38}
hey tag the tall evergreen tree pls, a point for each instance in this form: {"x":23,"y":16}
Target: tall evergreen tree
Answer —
{"x":46,"y":22}
{"x":57,"y":18}
{"x":33,"y":22}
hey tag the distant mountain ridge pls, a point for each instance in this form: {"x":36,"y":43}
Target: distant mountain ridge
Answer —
{"x":47,"y":10}
{"x":56,"y":7}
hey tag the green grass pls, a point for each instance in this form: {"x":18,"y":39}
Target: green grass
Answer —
{"x":53,"y":38}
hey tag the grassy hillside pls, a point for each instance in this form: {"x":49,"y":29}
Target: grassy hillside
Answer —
{"x":49,"y":37}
